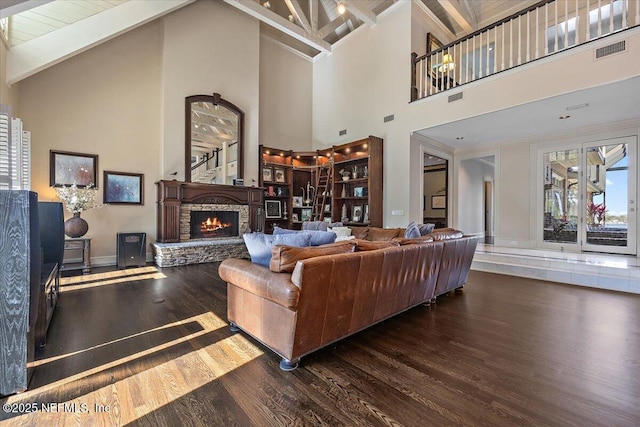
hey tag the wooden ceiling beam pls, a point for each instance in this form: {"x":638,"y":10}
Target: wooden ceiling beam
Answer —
{"x":332,"y":26}
{"x":296,"y":11}
{"x":313,"y":15}
{"x":363,"y":14}
{"x":278,"y":22}
{"x":13,"y":7}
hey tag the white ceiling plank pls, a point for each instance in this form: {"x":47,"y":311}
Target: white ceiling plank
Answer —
{"x":450,"y":35}
{"x":313,"y":15}
{"x":296,"y":11}
{"x":332,"y":26}
{"x":361,"y":13}
{"x":271,"y":18}
{"x":11,"y":7}
{"x":456,"y":12}
{"x":43,"y":52}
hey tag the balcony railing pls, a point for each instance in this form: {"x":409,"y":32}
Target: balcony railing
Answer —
{"x":543,"y":29}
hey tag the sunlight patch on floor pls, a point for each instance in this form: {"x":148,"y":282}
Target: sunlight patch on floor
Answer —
{"x":121,"y":402}
{"x":209,"y":322}
{"x":89,"y":281}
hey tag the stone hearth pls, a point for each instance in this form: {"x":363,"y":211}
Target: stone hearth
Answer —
{"x":198,"y":251}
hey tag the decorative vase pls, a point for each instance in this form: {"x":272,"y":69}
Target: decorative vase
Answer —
{"x":76,"y":226}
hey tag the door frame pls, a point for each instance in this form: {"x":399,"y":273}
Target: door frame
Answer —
{"x":538,"y":213}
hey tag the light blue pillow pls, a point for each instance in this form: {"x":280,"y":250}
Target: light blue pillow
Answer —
{"x":426,"y":228}
{"x":412,"y":231}
{"x":259,"y":244}
{"x":317,"y":237}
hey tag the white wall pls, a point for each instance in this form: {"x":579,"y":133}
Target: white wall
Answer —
{"x":105,"y":101}
{"x":286,"y":81}
{"x":8,"y":94}
{"x":209,"y":47}
{"x":471,"y":177}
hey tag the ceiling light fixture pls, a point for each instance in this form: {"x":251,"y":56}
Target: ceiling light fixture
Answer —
{"x":291,"y":19}
{"x":267,"y":5}
{"x":341,"y":8}
{"x":564,"y":117}
{"x":460,"y":138}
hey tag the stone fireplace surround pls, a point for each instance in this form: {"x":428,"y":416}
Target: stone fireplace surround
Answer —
{"x":177,"y":199}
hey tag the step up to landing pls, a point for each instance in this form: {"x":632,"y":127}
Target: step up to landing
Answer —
{"x":611,"y":272}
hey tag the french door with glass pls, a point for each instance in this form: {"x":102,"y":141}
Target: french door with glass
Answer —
{"x":589,"y":196}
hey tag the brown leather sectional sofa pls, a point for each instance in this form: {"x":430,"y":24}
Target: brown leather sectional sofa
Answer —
{"x":316,"y":301}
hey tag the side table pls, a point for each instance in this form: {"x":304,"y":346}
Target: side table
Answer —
{"x":81,"y":245}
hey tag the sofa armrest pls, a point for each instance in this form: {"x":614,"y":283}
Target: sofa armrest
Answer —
{"x":260,"y":281}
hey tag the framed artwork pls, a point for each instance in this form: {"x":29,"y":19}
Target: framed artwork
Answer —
{"x":123,"y":188}
{"x":272,"y":209}
{"x":356,"y":213}
{"x":358,"y":192}
{"x":66,"y":168}
{"x":438,"y":202}
{"x":327,"y":208}
{"x":279,"y":173}
{"x":294,"y":217}
{"x":305,"y":214}
{"x":297,"y":201}
{"x":267,"y":174}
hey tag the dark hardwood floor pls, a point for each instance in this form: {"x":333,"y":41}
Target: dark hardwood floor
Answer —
{"x":152,"y":348}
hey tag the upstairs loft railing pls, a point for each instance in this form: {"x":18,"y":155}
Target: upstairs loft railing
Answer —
{"x":541,"y":30}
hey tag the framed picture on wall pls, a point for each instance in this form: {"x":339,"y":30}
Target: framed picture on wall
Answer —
{"x":123,"y":188}
{"x":267,"y":174}
{"x":438,"y":202}
{"x":279,"y":173}
{"x":305,"y":214}
{"x":272,"y":209}
{"x":66,"y":168}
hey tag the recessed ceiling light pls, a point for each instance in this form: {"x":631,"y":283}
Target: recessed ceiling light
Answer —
{"x":564,"y":117}
{"x":459,"y":138}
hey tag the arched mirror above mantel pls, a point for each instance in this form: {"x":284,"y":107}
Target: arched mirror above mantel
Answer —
{"x":214,"y":130}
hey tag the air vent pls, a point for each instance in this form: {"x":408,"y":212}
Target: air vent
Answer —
{"x":455,"y":97}
{"x":611,"y":49}
{"x":342,"y":132}
{"x":389,"y":118}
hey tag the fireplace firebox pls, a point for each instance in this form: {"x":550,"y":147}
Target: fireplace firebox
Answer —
{"x":214,"y":224}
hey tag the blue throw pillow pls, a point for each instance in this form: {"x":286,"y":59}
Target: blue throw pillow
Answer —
{"x":317,"y":237}
{"x":412,"y":231}
{"x":426,"y":228}
{"x":259,"y":245}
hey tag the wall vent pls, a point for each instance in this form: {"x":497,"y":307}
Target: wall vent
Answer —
{"x":342,"y":132}
{"x":611,"y":49}
{"x":455,"y":97}
{"x":389,"y":118}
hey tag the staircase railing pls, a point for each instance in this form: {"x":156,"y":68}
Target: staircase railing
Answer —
{"x":543,"y":29}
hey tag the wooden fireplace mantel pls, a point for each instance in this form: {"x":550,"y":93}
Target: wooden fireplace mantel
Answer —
{"x":172,"y":194}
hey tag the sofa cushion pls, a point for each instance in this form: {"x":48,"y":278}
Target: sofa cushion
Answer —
{"x":259,"y":244}
{"x":413,"y":240}
{"x":446,"y":234}
{"x":284,"y":258}
{"x":314,"y":226}
{"x":412,"y":231}
{"x":360,"y":232}
{"x":317,"y":237}
{"x":367,"y":245}
{"x":377,"y":234}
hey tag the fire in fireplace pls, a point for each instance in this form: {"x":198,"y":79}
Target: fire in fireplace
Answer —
{"x":213,"y":224}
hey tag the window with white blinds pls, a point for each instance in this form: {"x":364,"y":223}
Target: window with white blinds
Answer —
{"x":15,"y":152}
